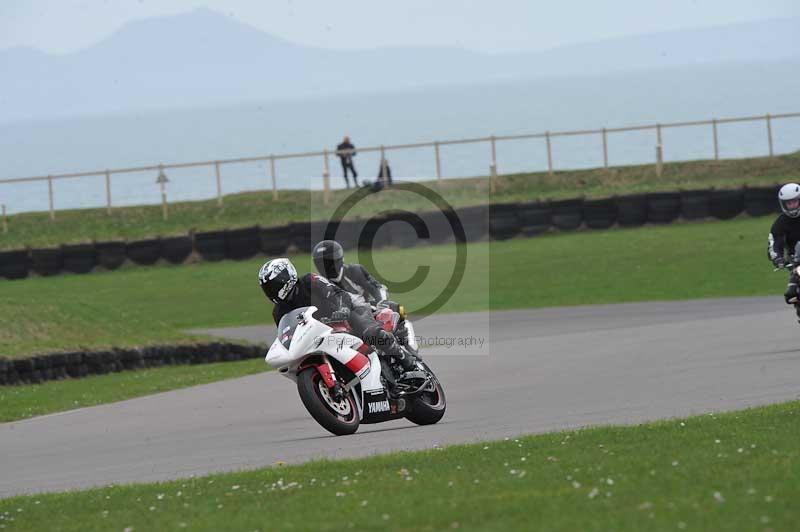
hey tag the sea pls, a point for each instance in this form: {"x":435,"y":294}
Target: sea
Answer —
{"x":617,"y":99}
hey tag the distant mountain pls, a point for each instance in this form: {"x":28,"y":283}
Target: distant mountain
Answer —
{"x":205,"y":58}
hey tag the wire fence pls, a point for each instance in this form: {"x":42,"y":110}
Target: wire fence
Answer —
{"x":106,"y":178}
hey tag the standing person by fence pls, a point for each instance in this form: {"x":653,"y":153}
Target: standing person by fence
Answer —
{"x":346,"y":152}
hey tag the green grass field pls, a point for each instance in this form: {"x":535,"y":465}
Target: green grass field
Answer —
{"x":735,"y":471}
{"x":20,"y":402}
{"x":153,"y":305}
{"x":240,"y":210}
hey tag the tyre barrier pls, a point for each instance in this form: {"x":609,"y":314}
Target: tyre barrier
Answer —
{"x":300,"y":237}
{"x":144,"y":252}
{"x":110,"y":255}
{"x":631,"y":210}
{"x":534,"y":218}
{"x":57,"y":366}
{"x":46,"y":261}
{"x":695,"y":204}
{"x":503,"y":221}
{"x":79,"y":258}
{"x":438,"y":226}
{"x":599,"y":213}
{"x":760,"y":201}
{"x":243,"y":243}
{"x":403,"y":228}
{"x":475,"y":220}
{"x":499,"y":221}
{"x":211,"y":245}
{"x":274,"y":240}
{"x":176,"y":249}
{"x":14,"y":264}
{"x":567,"y":215}
{"x":726,"y":204}
{"x":663,"y":207}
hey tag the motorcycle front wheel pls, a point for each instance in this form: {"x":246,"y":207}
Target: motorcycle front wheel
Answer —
{"x":428,"y":407}
{"x":338,"y":417}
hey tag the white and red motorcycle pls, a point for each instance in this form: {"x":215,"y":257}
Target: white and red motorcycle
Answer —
{"x":343,"y":382}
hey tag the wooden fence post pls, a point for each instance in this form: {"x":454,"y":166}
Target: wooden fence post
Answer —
{"x":716,"y":143}
{"x":605,"y":149}
{"x":769,"y":133}
{"x":50,"y":196}
{"x":272,"y":173}
{"x":549,"y":153}
{"x":659,"y":151}
{"x":108,"y":192}
{"x":438,"y":162}
{"x":326,"y":180}
{"x":219,"y":184}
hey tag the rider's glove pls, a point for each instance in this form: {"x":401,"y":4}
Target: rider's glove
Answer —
{"x":343,"y":314}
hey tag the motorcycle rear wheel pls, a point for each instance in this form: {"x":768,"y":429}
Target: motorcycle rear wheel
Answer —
{"x":338,"y":417}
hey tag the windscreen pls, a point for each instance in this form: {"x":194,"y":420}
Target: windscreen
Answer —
{"x":288,"y":324}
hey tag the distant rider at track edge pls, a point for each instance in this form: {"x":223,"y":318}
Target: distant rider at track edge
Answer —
{"x":280,"y":283}
{"x":783,"y":239}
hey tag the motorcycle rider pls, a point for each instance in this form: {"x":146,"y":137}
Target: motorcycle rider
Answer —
{"x":280,"y":283}
{"x":784,"y":237}
{"x":328,"y":256}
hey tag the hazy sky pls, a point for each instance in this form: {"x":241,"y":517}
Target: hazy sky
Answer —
{"x":499,"y":25}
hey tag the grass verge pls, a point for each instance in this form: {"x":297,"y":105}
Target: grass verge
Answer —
{"x":736,"y":471}
{"x":142,"y":306}
{"x":83,"y":225}
{"x":20,"y":402}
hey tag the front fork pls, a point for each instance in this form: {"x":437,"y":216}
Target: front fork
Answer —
{"x":328,"y":375}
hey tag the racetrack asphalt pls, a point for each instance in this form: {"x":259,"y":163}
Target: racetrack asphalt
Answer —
{"x":537,"y":371}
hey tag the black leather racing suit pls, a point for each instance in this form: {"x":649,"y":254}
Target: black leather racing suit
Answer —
{"x":783,"y":238}
{"x":313,"y":289}
{"x":357,"y":280}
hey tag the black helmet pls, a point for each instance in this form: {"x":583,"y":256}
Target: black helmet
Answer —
{"x":328,"y":257}
{"x":277,"y":279}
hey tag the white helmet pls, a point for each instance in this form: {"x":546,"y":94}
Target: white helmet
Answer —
{"x":790,"y":193}
{"x":277,"y":279}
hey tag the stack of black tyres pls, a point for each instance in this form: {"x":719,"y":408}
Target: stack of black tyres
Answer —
{"x":144,"y":252}
{"x":347,"y":232}
{"x":663,"y":207}
{"x":176,"y":249}
{"x":300,"y":236}
{"x":211,"y":245}
{"x":760,"y":201}
{"x":534,"y":217}
{"x":726,"y":204}
{"x":404,"y":228}
{"x":274,"y":240}
{"x":631,"y":210}
{"x":475,"y":220}
{"x":14,"y":264}
{"x":46,"y":261}
{"x":317,"y":231}
{"x":436,"y":225}
{"x":79,"y":258}
{"x":503,"y":221}
{"x":599,"y":213}
{"x":567,"y":215}
{"x":695,"y":204}
{"x":243,"y":243}
{"x":110,"y":255}
{"x":367,"y":237}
